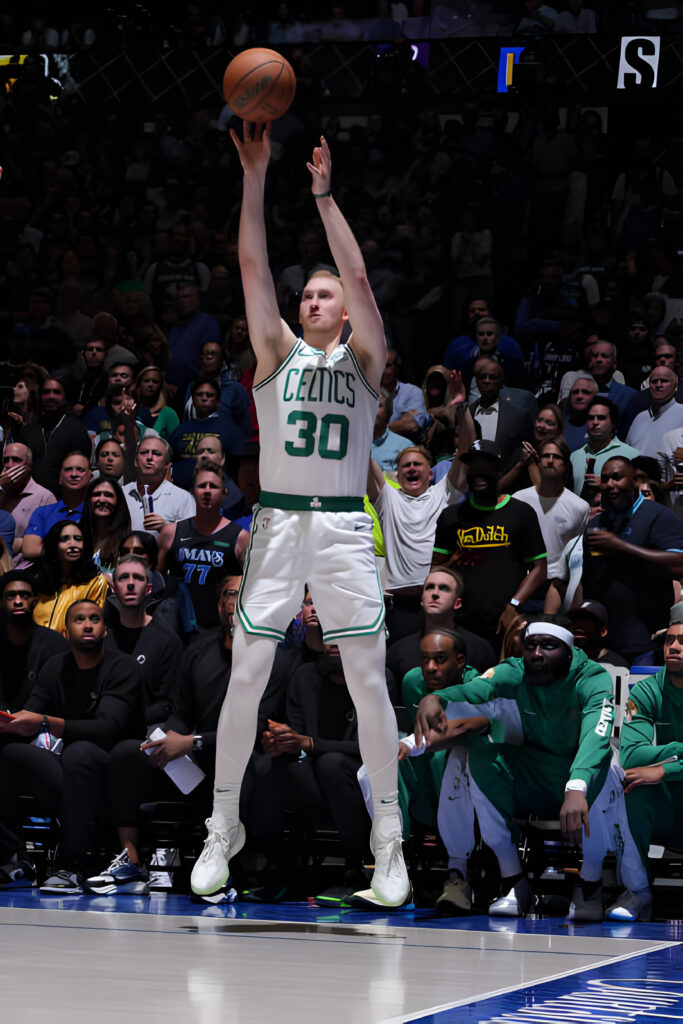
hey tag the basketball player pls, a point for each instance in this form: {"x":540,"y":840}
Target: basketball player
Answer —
{"x":316,"y":401}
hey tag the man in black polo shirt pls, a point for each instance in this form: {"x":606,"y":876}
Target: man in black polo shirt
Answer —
{"x":494,"y":542}
{"x":88,"y":698}
{"x":634,"y":553}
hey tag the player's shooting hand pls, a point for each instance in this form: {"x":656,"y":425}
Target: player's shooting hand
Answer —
{"x":430,"y":717}
{"x":646,"y":775}
{"x":254,"y":147}
{"x":573,"y":815}
{"x":321,"y":168}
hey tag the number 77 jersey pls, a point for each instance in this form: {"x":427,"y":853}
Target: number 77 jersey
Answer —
{"x":316,"y":418}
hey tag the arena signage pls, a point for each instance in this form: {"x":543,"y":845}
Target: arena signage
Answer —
{"x":639,"y":62}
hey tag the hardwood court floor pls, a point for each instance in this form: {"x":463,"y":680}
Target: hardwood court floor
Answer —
{"x":161,"y":958}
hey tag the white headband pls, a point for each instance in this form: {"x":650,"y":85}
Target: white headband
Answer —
{"x":550,"y":629}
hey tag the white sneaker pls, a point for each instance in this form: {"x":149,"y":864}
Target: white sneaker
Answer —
{"x":516,"y":903}
{"x":631,"y":906}
{"x":211,"y":872}
{"x":390,"y":882}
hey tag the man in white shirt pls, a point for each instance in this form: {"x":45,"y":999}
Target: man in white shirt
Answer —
{"x":167,"y":503}
{"x":663,"y":414}
{"x":561,"y":514}
{"x":408,"y":518}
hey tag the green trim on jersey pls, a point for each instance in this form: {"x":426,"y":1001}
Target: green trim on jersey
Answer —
{"x":489,"y":508}
{"x":245,"y":621}
{"x":309,"y":503}
{"x":374,"y":627}
{"x":290,"y":355}
{"x":355,"y":362}
{"x":535,"y":558}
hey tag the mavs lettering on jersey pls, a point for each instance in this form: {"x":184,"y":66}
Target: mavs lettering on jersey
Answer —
{"x":200,"y":559}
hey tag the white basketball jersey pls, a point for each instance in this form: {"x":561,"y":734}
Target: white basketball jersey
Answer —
{"x":316,"y":418}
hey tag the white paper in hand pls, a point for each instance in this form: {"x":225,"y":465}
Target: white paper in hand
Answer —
{"x":183,"y":771}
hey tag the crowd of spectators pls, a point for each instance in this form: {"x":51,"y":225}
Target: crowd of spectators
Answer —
{"x":527,"y":452}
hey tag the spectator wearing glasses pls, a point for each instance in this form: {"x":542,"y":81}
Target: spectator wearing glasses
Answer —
{"x":505,"y":415}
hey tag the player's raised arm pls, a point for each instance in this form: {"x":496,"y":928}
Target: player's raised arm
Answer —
{"x":368,"y":332}
{"x":271,"y":339}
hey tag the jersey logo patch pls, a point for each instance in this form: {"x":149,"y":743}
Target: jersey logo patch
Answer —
{"x":315,"y":503}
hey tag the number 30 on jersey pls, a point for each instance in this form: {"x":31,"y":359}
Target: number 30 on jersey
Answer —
{"x":332,"y":438}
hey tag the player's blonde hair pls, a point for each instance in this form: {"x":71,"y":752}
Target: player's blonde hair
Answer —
{"x":325,"y":273}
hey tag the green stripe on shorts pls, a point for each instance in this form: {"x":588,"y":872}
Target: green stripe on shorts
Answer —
{"x":309,"y":503}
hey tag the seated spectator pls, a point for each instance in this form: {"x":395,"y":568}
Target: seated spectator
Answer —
{"x":557,"y":766}
{"x":88,"y":697}
{"x":55,"y":433}
{"x":602,"y":365}
{"x":387,"y":445}
{"x":461,"y":349}
{"x":149,"y":639}
{"x":234,"y":400}
{"x":590,"y":627}
{"x":135,"y":777}
{"x":151,"y":393}
{"x":320,"y":720}
{"x":109,"y":460}
{"x":441,"y":599}
{"x":561,"y":514}
{"x":652,"y":490}
{"x":489,"y":341}
{"x":20,"y":495}
{"x":166,"y":502}
{"x":506,"y":416}
{"x":163,"y":599}
{"x":665,"y":354}
{"x":208,"y":420}
{"x":650,"y":750}
{"x":74,"y":477}
{"x":202,"y":549}
{"x":632,"y":577}
{"x":496,"y":545}
{"x":66,"y":573}
{"x":410,"y":417}
{"x":548,"y":425}
{"x":24,"y":645}
{"x":602,"y":356}
{"x":120,"y":383}
{"x":603,"y":444}
{"x":582,"y":392}
{"x":663,"y":414}
{"x":105,"y":522}
{"x":408,"y":518}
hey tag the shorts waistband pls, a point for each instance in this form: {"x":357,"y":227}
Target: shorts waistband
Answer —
{"x":309,"y":503}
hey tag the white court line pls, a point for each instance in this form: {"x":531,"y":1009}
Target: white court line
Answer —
{"x":403,"y":1019}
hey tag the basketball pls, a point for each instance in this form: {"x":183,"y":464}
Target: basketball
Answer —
{"x":259,"y":85}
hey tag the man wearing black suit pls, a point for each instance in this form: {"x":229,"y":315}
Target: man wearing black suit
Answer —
{"x":505,"y":415}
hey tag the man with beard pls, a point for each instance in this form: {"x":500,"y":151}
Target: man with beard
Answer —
{"x":88,"y":698}
{"x":636,"y":552}
{"x":654,"y":771}
{"x":54,"y":434}
{"x":558,"y":711}
{"x":494,"y":542}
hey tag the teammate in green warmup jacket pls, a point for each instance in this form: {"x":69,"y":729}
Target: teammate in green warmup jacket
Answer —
{"x":558,"y":710}
{"x":654,"y":772}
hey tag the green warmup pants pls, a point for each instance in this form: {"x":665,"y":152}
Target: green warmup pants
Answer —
{"x":655,"y":815}
{"x":419,"y":778}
